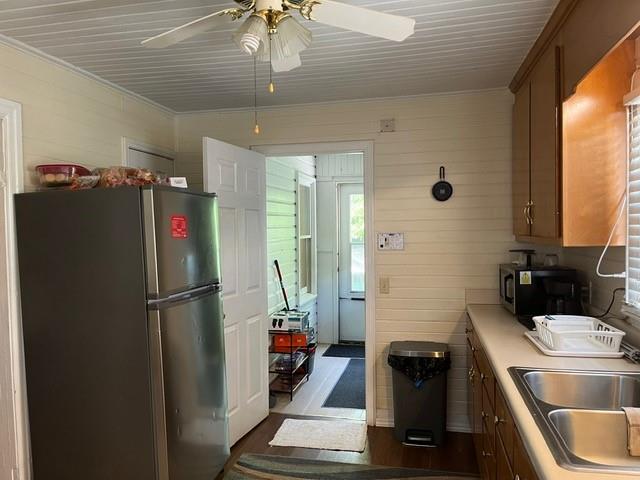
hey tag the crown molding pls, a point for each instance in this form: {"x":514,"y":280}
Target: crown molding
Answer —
{"x":35,"y":52}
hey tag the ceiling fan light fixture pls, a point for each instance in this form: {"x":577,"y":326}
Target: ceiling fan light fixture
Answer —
{"x":289,"y":40}
{"x":252,"y":34}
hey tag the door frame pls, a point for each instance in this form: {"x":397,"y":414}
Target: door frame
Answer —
{"x":367,"y":149}
{"x":13,"y":179}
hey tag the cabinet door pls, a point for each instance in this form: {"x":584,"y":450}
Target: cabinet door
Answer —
{"x":593,"y":29}
{"x":522,"y":468}
{"x":545,"y":147}
{"x":520,"y":179}
{"x":503,"y":467}
{"x":477,"y":414}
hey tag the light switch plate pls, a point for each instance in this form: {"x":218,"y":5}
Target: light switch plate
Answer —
{"x":384,"y":285}
{"x":391,"y":241}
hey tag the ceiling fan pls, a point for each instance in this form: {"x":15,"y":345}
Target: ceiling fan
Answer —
{"x":270,"y":33}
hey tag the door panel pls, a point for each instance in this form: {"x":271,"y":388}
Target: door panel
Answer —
{"x":193,"y":357}
{"x":184,"y":245}
{"x":238,"y":177}
{"x":351,"y":262}
{"x":544,"y":147}
{"x":521,"y":186}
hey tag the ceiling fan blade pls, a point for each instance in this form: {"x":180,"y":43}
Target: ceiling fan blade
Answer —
{"x":287,"y":64}
{"x":358,"y":19}
{"x":194,"y":28}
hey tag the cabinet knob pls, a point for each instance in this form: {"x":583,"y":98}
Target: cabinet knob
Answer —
{"x":517,"y":477}
{"x":483,"y":414}
{"x":485,"y":454}
{"x":467,"y":330}
{"x":483,"y":377}
{"x":497,"y":420}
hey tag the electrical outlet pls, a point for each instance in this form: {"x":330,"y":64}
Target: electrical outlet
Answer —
{"x":388,"y":125}
{"x":384,"y":285}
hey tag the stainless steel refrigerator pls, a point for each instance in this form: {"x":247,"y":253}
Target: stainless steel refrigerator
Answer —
{"x":123,"y":334}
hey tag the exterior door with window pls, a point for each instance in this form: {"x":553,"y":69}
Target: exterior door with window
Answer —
{"x":351,"y":263}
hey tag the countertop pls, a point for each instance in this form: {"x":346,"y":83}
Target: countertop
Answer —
{"x":505,"y":346}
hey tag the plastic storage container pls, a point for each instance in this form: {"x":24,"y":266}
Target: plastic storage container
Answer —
{"x":58,"y":175}
{"x":419,"y":379}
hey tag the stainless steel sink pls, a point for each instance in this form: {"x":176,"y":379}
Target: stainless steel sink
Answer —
{"x":595,"y":435}
{"x":579,"y":415}
{"x":585,"y":390}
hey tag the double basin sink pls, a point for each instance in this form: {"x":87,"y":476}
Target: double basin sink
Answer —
{"x":579,"y":414}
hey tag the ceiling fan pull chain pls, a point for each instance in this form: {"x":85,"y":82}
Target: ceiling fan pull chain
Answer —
{"x":256,"y":129}
{"x":272,"y":87}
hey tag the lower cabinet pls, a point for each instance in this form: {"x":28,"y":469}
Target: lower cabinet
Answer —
{"x":499,"y":448}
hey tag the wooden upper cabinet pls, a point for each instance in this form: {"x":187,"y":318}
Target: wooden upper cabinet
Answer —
{"x":520,"y":170}
{"x":574,"y":80}
{"x":544,"y":148}
{"x":593,"y":29}
{"x":595,"y":151}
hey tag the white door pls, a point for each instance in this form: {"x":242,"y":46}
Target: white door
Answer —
{"x":8,"y":457}
{"x":238,"y":177}
{"x":351,"y":274}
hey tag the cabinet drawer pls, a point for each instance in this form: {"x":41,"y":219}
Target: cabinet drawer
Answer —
{"x":504,"y":424}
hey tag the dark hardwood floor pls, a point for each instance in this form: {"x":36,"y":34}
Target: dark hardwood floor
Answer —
{"x":457,"y":455}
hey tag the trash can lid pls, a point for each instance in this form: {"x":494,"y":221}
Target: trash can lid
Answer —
{"x":419,"y":349}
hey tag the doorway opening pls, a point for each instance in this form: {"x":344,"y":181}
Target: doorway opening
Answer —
{"x":317,"y":231}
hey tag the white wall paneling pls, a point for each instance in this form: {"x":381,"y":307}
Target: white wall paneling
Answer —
{"x":282,"y":174}
{"x":14,"y":433}
{"x":69,"y":118}
{"x":452,"y":249}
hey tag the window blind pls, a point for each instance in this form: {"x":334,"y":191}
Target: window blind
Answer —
{"x":633,"y":225}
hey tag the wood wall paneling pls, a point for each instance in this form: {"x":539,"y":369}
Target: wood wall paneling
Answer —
{"x":281,"y":227}
{"x":595,"y":143}
{"x":452,"y":249}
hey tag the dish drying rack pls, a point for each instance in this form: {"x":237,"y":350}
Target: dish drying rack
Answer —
{"x":576,"y":336}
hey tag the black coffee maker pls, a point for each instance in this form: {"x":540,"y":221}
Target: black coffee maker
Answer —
{"x":563,"y":296}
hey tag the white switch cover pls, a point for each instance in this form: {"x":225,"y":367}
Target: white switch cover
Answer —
{"x":391,"y":241}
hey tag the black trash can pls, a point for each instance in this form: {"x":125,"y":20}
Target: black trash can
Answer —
{"x":419,"y":391}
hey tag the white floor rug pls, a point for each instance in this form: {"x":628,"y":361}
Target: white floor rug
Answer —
{"x":322,"y":434}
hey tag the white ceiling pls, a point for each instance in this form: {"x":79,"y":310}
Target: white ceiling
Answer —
{"x":458,"y":45}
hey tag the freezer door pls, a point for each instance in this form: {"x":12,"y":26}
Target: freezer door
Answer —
{"x":181,"y":240}
{"x":190,"y":398}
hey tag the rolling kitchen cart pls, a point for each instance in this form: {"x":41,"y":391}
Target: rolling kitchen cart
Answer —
{"x":289,"y":359}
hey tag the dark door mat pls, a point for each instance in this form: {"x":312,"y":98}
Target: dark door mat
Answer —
{"x":345,"y":351}
{"x":250,"y":466}
{"x":349,"y":391}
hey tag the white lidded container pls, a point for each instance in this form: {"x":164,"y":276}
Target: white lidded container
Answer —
{"x":573,"y":333}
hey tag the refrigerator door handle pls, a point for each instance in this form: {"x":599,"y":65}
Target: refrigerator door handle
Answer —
{"x":184,"y":296}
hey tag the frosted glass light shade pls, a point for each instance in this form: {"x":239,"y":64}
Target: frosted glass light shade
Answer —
{"x":252,"y":35}
{"x":290,"y":39}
